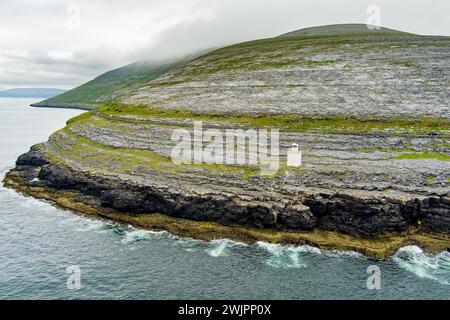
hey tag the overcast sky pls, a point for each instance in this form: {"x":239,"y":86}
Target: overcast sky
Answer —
{"x":57,"y":43}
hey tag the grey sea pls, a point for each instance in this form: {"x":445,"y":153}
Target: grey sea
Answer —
{"x":39,"y":244}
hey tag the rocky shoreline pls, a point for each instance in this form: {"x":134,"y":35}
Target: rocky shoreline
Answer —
{"x":371,"y":223}
{"x":370,"y":115}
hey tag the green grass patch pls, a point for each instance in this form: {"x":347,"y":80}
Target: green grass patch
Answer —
{"x":78,"y":118}
{"x":120,"y":160}
{"x":429,"y":179}
{"x":292,"y":122}
{"x":112,"y":84}
{"x":424,"y":155}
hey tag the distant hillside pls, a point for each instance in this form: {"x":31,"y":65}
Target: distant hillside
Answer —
{"x":30,"y":93}
{"x":341,"y":30}
{"x":110,"y":85}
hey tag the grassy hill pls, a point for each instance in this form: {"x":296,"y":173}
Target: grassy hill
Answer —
{"x":341,"y":70}
{"x":343,"y":29}
{"x":120,"y":82}
{"x":110,"y":85}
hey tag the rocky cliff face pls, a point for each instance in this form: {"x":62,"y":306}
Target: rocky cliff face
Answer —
{"x":370,"y":114}
{"x":356,"y":212}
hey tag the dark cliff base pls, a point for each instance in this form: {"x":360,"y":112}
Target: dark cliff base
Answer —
{"x":375,"y":227}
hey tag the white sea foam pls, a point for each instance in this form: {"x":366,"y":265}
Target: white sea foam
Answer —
{"x":222,"y":247}
{"x":189,"y":244}
{"x":217,"y":250}
{"x":423,"y":265}
{"x":135,"y":235}
{"x":286,"y":256}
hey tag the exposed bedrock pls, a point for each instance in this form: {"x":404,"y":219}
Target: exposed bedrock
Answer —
{"x":34,"y":157}
{"x":131,"y":197}
{"x":356,"y":212}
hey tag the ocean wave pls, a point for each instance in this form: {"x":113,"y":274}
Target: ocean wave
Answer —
{"x":219,"y":248}
{"x":429,"y":266}
{"x":135,"y":235}
{"x":188,"y":244}
{"x":99,"y":226}
{"x":287,"y":256}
